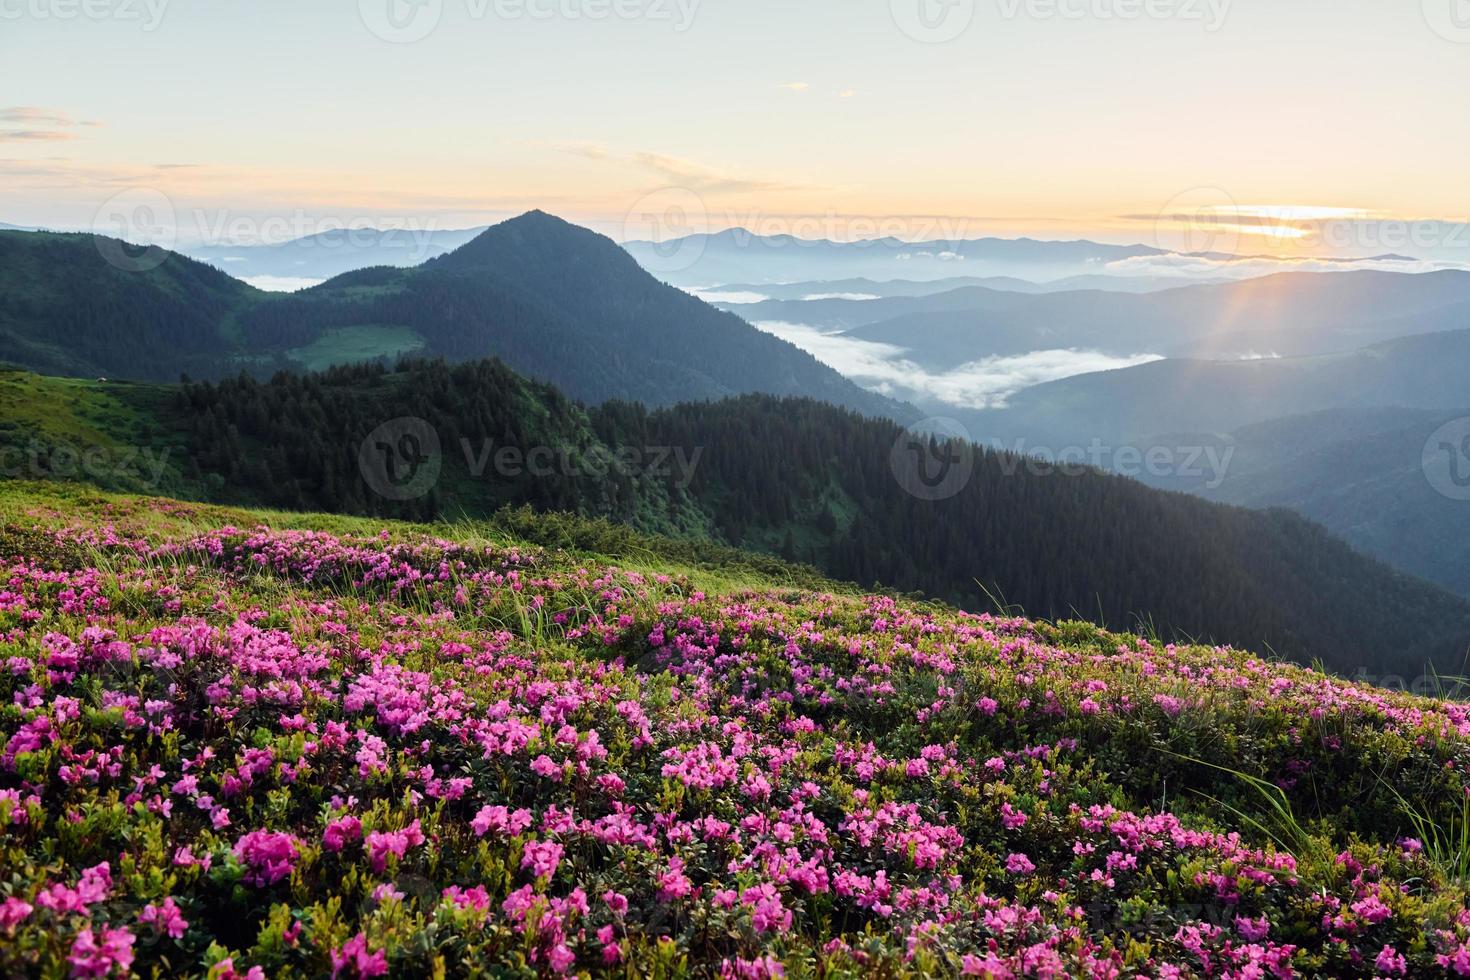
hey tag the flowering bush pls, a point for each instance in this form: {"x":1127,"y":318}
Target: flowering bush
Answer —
{"x":267,"y":753}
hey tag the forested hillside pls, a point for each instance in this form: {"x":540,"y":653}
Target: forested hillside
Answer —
{"x":815,"y":483}
{"x":89,"y":306}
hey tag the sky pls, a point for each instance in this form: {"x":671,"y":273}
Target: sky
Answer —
{"x":1118,"y":120}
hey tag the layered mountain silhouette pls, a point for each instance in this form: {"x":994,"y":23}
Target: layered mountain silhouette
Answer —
{"x":1285,"y":314}
{"x":1424,"y":372}
{"x":332,"y":253}
{"x":555,"y":301}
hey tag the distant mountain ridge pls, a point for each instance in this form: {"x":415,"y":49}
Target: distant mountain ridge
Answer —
{"x":333,"y":253}
{"x":1424,"y":372}
{"x":737,"y":255}
{"x":1284,"y":314}
{"x":890,"y":288}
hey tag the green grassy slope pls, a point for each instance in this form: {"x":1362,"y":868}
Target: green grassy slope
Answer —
{"x":236,"y":740}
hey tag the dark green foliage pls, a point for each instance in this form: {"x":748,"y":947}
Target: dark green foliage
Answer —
{"x":66,"y":309}
{"x":812,"y":483}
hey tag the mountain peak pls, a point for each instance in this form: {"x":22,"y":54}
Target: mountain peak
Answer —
{"x":536,"y":216}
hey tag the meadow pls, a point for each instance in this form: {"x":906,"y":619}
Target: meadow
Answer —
{"x":251,"y":744}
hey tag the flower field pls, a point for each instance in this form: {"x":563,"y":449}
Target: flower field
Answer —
{"x":231,"y":747}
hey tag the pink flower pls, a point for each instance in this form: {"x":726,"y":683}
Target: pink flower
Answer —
{"x":767,"y":914}
{"x":673,"y":883}
{"x":544,"y":766}
{"x":341,"y":832}
{"x":382,"y":843}
{"x":500,"y":820}
{"x":1372,"y":910}
{"x":1169,"y":704}
{"x":94,"y":886}
{"x":758,"y":969}
{"x":225,"y":970}
{"x":353,"y":960}
{"x":990,"y":967}
{"x":542,"y":857}
{"x":468,"y":898}
{"x":268,"y":855}
{"x":184,"y":858}
{"x":165,"y":917}
{"x":1391,"y":961}
{"x":90,"y":958}
{"x":561,"y":958}
{"x":13,"y":912}
{"x":1019,"y":864}
{"x":1252,"y":930}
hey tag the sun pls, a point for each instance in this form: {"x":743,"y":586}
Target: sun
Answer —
{"x":1282,"y":222}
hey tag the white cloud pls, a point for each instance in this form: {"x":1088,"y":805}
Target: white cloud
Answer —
{"x":984,"y":383}
{"x":1186,"y":267}
{"x":736,"y":296}
{"x":699,"y":177}
{"x":39,"y":116}
{"x":35,"y":136}
{"x":851,"y":296}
